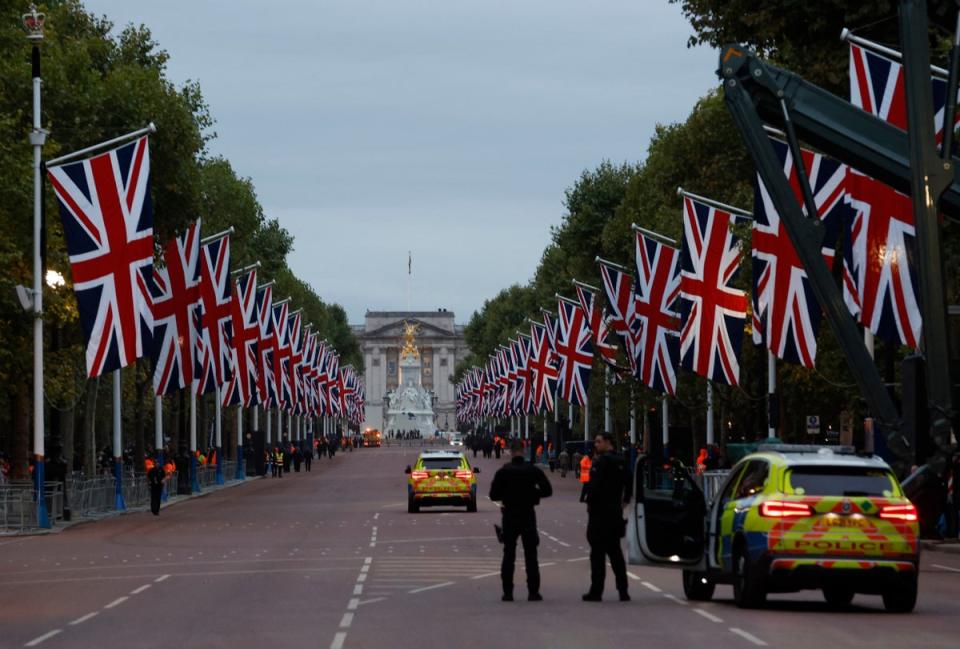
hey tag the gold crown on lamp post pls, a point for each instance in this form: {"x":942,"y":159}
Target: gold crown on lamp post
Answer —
{"x":33,"y":24}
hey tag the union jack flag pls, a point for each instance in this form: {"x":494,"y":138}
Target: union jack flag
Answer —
{"x":521,"y":386}
{"x":319,"y":377}
{"x":656,"y":288}
{"x":878,"y":287}
{"x":574,"y":353}
{"x":712,"y":312}
{"x":618,"y":288}
{"x":543,"y":372}
{"x":785,"y":311}
{"x":295,"y":360}
{"x":215,"y":316}
{"x":241,"y":388}
{"x":281,"y":353}
{"x":552,"y":324}
{"x":877,"y":86}
{"x":108,"y":226}
{"x":506,"y":362}
{"x":599,"y":325}
{"x":175,"y":299}
{"x":266,"y":380}
{"x":334,"y":385}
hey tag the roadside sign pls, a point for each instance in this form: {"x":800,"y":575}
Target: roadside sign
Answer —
{"x":813,"y":424}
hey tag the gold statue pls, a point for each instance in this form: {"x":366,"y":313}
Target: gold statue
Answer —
{"x":410,"y":329}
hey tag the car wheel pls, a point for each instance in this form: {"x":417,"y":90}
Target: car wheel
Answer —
{"x":412,"y":506}
{"x":901,"y":598}
{"x":838,"y":596}
{"x":697,"y":586}
{"x":748,"y":590}
{"x":472,"y":505}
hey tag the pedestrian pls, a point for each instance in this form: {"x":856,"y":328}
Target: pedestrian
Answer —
{"x":585,"y":463}
{"x":155,"y":479}
{"x":297,"y":459}
{"x":577,"y":456}
{"x":308,"y":459}
{"x":519,"y":486}
{"x":564,"y":463}
{"x":278,"y":461}
{"x":608,"y":491}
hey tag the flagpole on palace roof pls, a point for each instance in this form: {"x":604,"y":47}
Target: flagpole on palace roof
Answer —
{"x":33,"y":24}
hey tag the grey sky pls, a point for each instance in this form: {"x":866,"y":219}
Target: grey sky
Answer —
{"x":450,"y":128}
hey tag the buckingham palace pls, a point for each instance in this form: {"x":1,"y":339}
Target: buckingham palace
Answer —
{"x":441,"y":346}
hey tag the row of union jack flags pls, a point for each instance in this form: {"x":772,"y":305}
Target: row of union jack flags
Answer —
{"x":679,"y":307}
{"x":202,"y":330}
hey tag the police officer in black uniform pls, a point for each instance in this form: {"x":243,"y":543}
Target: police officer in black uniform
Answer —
{"x":156,"y":476}
{"x":609,"y":489}
{"x":520,"y":486}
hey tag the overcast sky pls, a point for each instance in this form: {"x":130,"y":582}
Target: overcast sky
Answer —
{"x":450,"y":128}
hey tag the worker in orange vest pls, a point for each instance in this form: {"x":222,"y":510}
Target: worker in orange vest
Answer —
{"x":585,"y":464}
{"x":148,"y":464}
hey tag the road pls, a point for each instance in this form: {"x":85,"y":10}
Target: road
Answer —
{"x":331,"y":558}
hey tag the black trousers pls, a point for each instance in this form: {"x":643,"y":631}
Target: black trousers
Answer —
{"x":603,"y":535}
{"x":526,"y":530}
{"x":155,"y":491}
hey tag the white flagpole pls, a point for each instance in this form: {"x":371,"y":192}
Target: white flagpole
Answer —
{"x":709,"y":412}
{"x":586,"y":422}
{"x":633,"y":419}
{"x":606,"y":400}
{"x":218,"y":432}
{"x":117,"y":443}
{"x":256,"y":418}
{"x":240,"y":473}
{"x":266,"y":415}
{"x":665,"y":422}
{"x":771,"y":392}
{"x":194,"y":478}
{"x":158,"y":425}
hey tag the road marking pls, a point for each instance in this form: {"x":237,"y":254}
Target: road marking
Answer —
{"x":84,"y":618}
{"x":633,"y":576}
{"x":45,"y":636}
{"x":353,"y":604}
{"x":368,"y":560}
{"x":675,"y":599}
{"x":362,"y":577}
{"x":948,"y":568}
{"x":376,"y":516}
{"x":372,"y":601}
{"x":650,"y":586}
{"x":338,"y":640}
{"x":426,"y":588}
{"x":346,"y":621}
{"x":710,"y":616}
{"x":748,"y":636}
{"x":358,"y":589}
{"x":117,"y":602}
{"x":137,"y":591}
{"x":365,"y":568}
{"x":551,"y":563}
{"x":161,"y":578}
{"x":486,"y":574}
{"x":577,"y":559}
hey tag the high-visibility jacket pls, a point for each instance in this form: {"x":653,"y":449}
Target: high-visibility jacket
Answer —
{"x":585,"y":464}
{"x":148,"y":464}
{"x":169,"y":468}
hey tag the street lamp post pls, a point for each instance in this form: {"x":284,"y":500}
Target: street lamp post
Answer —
{"x":33,"y":24}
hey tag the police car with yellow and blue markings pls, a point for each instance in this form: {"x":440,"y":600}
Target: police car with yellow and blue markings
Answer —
{"x":784,"y":519}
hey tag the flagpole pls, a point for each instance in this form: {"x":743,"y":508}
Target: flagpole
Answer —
{"x":240,"y":474}
{"x":158,"y":439}
{"x":586,"y":421}
{"x":218,"y":433}
{"x":633,"y":419}
{"x":118,"y":503}
{"x":709,"y":412}
{"x":771,"y":394}
{"x":606,"y":399}
{"x":665,"y":426}
{"x":33,"y":23}
{"x":194,"y":478}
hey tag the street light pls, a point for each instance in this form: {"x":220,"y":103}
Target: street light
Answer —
{"x":33,"y":22}
{"x":54,"y":279}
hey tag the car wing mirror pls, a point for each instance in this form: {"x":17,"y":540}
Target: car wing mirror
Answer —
{"x":408,"y":469}
{"x":476,"y":469}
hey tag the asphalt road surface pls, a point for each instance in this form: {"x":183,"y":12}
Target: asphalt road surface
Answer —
{"x":331,"y":558}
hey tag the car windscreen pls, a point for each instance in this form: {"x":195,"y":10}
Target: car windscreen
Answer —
{"x":841,"y":481}
{"x":438,"y":463}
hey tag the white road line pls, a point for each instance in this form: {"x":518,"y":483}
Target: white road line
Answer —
{"x":353,"y":604}
{"x":948,"y":568}
{"x":45,"y":636}
{"x":368,"y":560}
{"x":372,"y":600}
{"x":365,"y":568}
{"x":84,"y":618}
{"x":358,"y":589}
{"x":425,"y":588}
{"x":346,"y":621}
{"x":486,"y":574}
{"x":710,"y":616}
{"x":373,"y":544}
{"x":674,"y":599}
{"x":551,"y":563}
{"x":362,"y":577}
{"x":137,"y":591}
{"x":376,"y":516}
{"x":633,"y":576}
{"x":577,"y":559}
{"x":748,"y":636}
{"x":117,"y":602}
{"x":647,"y":584}
{"x":338,"y":640}
{"x":161,"y":578}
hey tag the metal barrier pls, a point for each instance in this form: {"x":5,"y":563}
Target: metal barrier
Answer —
{"x":18,"y":506}
{"x":710,"y":483}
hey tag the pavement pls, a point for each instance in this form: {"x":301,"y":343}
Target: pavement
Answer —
{"x":331,"y":558}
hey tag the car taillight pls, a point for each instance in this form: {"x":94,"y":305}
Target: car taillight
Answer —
{"x":419,"y":475}
{"x":781,"y":509}
{"x":466,"y":475}
{"x":903,"y":513}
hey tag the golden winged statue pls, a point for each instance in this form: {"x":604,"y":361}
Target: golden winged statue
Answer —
{"x":410,"y":330}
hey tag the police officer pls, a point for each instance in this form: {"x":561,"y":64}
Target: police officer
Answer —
{"x":609,"y":489}
{"x":519,"y":486}
{"x":155,"y":479}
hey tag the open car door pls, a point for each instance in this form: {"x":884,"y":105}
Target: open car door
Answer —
{"x":666,"y":522}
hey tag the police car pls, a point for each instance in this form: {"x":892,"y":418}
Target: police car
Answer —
{"x":786,"y":518}
{"x":441,"y":478}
